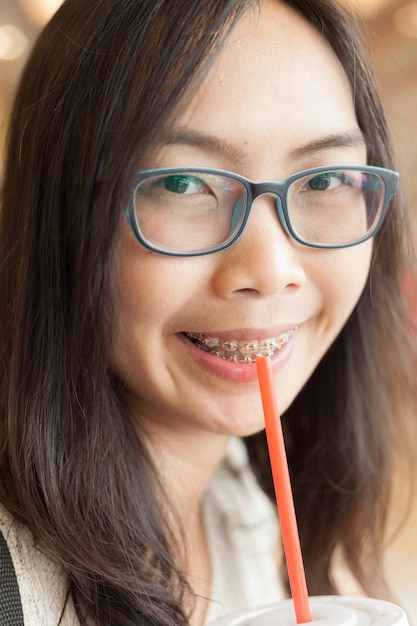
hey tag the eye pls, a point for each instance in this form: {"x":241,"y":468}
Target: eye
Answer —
{"x":325,"y":181}
{"x":182,"y":184}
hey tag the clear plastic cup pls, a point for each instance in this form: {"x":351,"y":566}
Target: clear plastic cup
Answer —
{"x":325,"y":611}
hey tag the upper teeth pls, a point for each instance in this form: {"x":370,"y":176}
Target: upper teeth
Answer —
{"x":242,"y":351}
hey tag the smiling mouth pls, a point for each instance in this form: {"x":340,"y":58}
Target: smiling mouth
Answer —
{"x":240,"y":351}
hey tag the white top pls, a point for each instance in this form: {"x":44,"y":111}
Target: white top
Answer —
{"x":243,"y":532}
{"x":243,"y":536}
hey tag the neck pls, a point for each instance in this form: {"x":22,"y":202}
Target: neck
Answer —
{"x":187,"y":465}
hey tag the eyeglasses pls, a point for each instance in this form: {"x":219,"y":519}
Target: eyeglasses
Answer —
{"x":193,"y":211}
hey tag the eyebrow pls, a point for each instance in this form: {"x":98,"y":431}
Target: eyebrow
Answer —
{"x":213,"y":145}
{"x":347,"y":139}
{"x":208,"y":143}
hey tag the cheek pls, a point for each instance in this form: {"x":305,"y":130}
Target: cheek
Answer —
{"x":152,"y":290}
{"x":343,"y":274}
{"x":144,"y":283}
{"x":145,"y":300}
{"x":337,"y":279}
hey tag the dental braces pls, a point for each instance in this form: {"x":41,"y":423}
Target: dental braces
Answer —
{"x":238,"y":352}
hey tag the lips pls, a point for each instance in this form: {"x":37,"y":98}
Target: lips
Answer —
{"x":240,"y":350}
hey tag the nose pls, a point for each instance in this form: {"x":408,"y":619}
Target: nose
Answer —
{"x":265,"y":260}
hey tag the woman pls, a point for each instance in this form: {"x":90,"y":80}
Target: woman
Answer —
{"x":127,"y":340}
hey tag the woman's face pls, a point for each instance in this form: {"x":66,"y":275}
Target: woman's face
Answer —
{"x":275,"y":102}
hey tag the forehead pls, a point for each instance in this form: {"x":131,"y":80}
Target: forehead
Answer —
{"x":276,"y":81}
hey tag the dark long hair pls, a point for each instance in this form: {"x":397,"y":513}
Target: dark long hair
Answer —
{"x":103,"y":80}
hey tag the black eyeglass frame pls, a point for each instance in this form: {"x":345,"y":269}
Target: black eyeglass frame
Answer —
{"x":254,"y":190}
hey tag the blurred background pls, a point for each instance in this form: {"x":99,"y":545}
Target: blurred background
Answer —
{"x":392,"y":28}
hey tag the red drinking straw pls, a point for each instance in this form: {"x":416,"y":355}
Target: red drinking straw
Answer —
{"x":283,"y":492}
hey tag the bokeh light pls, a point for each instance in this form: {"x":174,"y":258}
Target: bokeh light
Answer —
{"x":40,"y":11}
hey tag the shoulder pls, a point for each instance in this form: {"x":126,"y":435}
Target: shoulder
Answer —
{"x":43,"y":587}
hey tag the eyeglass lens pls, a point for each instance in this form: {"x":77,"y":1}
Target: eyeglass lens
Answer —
{"x":192,"y":211}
